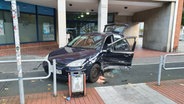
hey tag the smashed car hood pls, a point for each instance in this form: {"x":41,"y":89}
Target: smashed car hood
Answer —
{"x":68,"y":54}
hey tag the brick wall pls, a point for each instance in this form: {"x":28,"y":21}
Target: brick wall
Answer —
{"x":39,"y":49}
{"x":178,"y":24}
{"x":28,"y":45}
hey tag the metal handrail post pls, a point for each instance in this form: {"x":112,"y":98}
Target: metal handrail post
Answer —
{"x":171,"y":68}
{"x":8,"y":80}
{"x":54,"y":78}
{"x":28,"y":78}
{"x":160,"y":70}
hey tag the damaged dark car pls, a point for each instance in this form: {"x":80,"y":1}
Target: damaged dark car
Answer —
{"x":94,"y":52}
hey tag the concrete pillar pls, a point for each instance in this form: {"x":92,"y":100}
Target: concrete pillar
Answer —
{"x":175,"y":9}
{"x":102,"y":14}
{"x":61,"y":9}
{"x":158,"y":24}
{"x":170,"y":28}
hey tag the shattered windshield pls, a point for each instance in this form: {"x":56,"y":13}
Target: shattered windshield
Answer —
{"x":87,"y":41}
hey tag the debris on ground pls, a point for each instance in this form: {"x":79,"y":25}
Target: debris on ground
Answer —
{"x":48,"y":89}
{"x":32,"y":81}
{"x":101,"y":80}
{"x":115,"y":71}
{"x":125,"y":81}
{"x":48,"y":84}
{"x":66,"y":98}
{"x":6,"y":89}
{"x":182,"y":84}
{"x":109,"y":74}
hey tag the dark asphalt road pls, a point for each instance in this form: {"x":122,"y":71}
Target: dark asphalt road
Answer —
{"x":138,"y":74}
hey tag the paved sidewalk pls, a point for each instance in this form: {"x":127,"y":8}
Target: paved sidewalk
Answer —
{"x":172,"y":89}
{"x":48,"y":98}
{"x":170,"y":92}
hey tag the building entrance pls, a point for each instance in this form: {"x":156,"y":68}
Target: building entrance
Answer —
{"x":76,"y":28}
{"x":80,"y":23}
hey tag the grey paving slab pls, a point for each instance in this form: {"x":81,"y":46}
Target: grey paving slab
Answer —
{"x":132,"y":94}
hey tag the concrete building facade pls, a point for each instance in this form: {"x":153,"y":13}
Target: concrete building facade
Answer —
{"x":49,"y":20}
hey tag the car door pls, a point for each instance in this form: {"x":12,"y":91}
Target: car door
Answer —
{"x":119,"y":51}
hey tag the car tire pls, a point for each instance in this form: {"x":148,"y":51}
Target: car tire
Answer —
{"x":94,"y":73}
{"x":46,"y":69}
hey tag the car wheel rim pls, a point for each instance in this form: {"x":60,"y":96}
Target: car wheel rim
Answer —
{"x":95,"y":73}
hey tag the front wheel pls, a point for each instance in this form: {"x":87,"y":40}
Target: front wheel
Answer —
{"x":45,"y":67}
{"x":94,"y":73}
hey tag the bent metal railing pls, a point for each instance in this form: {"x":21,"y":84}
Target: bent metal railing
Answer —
{"x":33,"y":78}
{"x":162,"y":64}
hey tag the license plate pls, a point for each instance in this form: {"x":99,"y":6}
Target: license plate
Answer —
{"x":58,"y":71}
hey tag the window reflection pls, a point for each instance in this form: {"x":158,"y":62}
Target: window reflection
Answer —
{"x":46,"y":28}
{"x":27,"y":27}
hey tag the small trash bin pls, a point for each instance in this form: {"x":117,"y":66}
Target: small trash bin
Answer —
{"x":76,"y":82}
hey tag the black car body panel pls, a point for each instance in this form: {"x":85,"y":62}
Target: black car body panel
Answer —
{"x":113,"y":58}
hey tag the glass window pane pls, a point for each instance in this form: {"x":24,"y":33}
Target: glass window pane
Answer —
{"x":27,"y":27}
{"x":46,"y":28}
{"x":6,"y":28}
{"x":121,"y":45}
{"x":111,"y":18}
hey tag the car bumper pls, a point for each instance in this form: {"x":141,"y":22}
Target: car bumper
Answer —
{"x":61,"y":72}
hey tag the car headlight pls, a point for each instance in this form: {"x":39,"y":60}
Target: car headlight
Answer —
{"x":76,"y":63}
